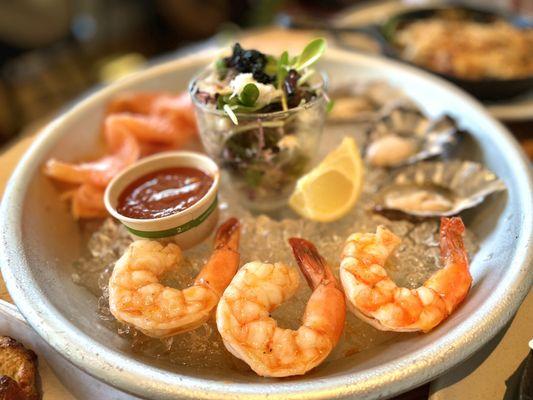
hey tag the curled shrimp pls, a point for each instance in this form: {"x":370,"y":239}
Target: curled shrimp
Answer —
{"x":251,"y":334}
{"x":156,"y":117}
{"x":138,"y":298}
{"x":376,"y":299}
{"x":124,"y":149}
{"x":136,"y":125}
{"x":86,"y":201}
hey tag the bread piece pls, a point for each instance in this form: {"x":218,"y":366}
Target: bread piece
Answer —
{"x":10,"y":390}
{"x":19,"y":364}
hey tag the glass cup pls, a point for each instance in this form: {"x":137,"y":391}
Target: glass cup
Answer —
{"x":264,"y":155}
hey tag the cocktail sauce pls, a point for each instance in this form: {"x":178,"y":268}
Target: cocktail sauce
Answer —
{"x":163,"y":192}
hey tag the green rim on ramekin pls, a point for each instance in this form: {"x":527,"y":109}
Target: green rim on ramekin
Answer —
{"x":177,"y":230}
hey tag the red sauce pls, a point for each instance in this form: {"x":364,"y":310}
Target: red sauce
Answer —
{"x":163,"y":192}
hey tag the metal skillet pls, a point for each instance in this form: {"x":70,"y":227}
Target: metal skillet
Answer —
{"x":488,"y":89}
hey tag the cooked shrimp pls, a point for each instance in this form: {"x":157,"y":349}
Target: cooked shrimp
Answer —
{"x":138,"y":298}
{"x":124,"y":151}
{"x":176,"y":110}
{"x":136,"y":124}
{"x":87,"y":201}
{"x":376,"y":299}
{"x":148,"y":128}
{"x":251,"y":334}
{"x":133,"y":102}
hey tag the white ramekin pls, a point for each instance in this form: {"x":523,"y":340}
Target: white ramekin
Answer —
{"x":187,"y":227}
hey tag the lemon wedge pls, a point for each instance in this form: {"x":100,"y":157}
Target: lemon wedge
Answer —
{"x":331,"y":189}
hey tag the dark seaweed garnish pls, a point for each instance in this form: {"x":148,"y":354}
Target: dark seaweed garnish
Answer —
{"x":249,"y":61}
{"x":287,"y":74}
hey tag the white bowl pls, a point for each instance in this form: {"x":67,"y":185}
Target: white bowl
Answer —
{"x":185,"y":228}
{"x":40,"y":241}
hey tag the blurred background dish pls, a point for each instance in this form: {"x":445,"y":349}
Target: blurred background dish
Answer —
{"x":484,"y":51}
{"x":514,"y":109}
{"x":463,"y":42}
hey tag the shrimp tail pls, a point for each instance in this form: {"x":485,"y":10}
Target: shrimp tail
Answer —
{"x":451,"y":240}
{"x":224,"y":261}
{"x":313,"y":266}
{"x":228,"y":235}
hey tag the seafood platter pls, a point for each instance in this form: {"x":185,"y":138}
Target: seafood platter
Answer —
{"x":243,"y":224}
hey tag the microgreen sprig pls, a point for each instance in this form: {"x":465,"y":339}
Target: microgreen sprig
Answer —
{"x":278,"y":68}
{"x":310,"y":54}
{"x":283,"y":69}
{"x":249,"y":95}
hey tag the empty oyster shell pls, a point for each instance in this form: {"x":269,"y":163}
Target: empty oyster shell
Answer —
{"x":431,"y":189}
{"x":403,"y":135}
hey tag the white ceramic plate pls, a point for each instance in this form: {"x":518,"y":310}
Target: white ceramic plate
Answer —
{"x":40,"y":241}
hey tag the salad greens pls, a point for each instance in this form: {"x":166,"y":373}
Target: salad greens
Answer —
{"x":311,"y":53}
{"x":264,"y":155}
{"x":249,"y":95}
{"x":271,"y":83}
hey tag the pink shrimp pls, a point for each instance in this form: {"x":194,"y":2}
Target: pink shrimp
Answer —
{"x":376,"y":299}
{"x":134,"y":103}
{"x":152,"y":129}
{"x":125,"y":150}
{"x":87,"y":202}
{"x":250,"y":333}
{"x":176,"y":110}
{"x":179,"y":110}
{"x":146,"y":128}
{"x":138,"y":297}
{"x":136,"y":125}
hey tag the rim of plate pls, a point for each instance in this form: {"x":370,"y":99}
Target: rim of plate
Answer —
{"x":133,"y":376}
